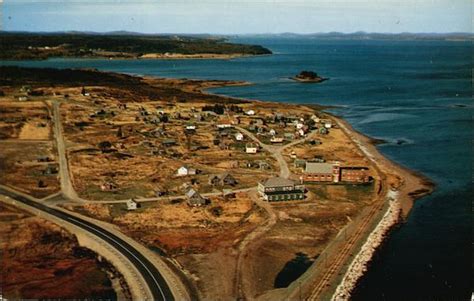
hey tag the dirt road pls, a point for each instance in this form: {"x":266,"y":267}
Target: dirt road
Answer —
{"x":64,"y":176}
{"x":276,"y":151}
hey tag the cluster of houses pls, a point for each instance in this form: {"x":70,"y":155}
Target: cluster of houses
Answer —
{"x":288,"y":127}
{"x":284,"y":128}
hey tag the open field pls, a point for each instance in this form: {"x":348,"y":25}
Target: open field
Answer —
{"x":27,"y":152}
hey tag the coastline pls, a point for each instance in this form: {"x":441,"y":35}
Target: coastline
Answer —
{"x":180,"y":56}
{"x":148,"y":56}
{"x":400,"y":198}
{"x":411,"y":182}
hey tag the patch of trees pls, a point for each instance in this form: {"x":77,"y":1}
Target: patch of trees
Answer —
{"x":217,"y":108}
{"x":33,"y":45}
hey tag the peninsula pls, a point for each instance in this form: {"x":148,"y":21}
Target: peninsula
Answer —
{"x":222,"y":195}
{"x":40,"y":46}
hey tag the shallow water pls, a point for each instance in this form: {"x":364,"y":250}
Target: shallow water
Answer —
{"x":418,"y":92}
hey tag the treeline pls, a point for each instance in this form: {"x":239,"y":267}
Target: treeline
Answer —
{"x":42,"y":46}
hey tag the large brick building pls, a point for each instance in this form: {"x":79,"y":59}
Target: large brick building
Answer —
{"x":334,"y":173}
{"x":355,"y":174}
{"x":321,"y":172}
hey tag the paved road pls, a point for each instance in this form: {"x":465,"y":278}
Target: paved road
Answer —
{"x":155,"y":281}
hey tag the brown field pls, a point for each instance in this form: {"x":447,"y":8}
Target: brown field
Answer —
{"x":41,"y":260}
{"x":24,"y":120}
{"x":20,"y":167}
{"x":203,"y":240}
{"x":139,"y":163}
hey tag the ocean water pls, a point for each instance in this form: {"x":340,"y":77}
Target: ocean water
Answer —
{"x":418,"y":93}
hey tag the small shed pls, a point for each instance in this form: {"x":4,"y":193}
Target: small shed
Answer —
{"x":132,"y":204}
{"x":239,"y":137}
{"x":194,"y":198}
{"x":222,"y":179}
{"x":251,"y":148}
{"x":168,"y":142}
{"x":250,"y":112}
{"x":299,"y":163}
{"x":276,"y":139}
{"x":186,"y":171}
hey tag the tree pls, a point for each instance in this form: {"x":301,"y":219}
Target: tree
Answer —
{"x":105,"y":146}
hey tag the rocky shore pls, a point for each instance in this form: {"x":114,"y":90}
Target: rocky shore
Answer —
{"x":359,"y":265}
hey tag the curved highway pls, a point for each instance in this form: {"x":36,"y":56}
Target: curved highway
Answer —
{"x":155,"y":281}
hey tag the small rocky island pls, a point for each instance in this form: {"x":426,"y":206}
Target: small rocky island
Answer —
{"x":309,"y":77}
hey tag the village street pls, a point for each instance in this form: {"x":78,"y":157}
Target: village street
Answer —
{"x":64,"y":176}
{"x":276,"y":151}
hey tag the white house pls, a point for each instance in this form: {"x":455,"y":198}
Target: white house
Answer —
{"x":272,"y":132}
{"x":315,"y":118}
{"x":276,"y":140}
{"x":301,"y":132}
{"x":191,"y":127}
{"x":299,"y":125}
{"x":250,"y":112}
{"x":328,"y":125}
{"x":132,"y":204}
{"x":224,"y":125}
{"x":185,"y":171}
{"x":251,"y":148}
{"x":239,"y":137}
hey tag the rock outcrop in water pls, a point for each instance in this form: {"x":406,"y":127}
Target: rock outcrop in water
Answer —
{"x":309,"y":77}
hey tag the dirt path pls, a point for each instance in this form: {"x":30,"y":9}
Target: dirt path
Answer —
{"x":245,"y":246}
{"x":64,"y":176}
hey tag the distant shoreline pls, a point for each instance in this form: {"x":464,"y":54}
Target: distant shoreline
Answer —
{"x":148,"y":56}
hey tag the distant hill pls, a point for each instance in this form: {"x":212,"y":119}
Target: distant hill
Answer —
{"x":22,"y":45}
{"x":376,"y":36}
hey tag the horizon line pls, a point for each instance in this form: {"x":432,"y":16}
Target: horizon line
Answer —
{"x":255,"y":33}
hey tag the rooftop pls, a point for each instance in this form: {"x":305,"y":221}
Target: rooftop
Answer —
{"x":278,"y":182}
{"x":315,"y":167}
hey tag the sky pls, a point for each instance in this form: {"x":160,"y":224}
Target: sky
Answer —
{"x":238,"y":16}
